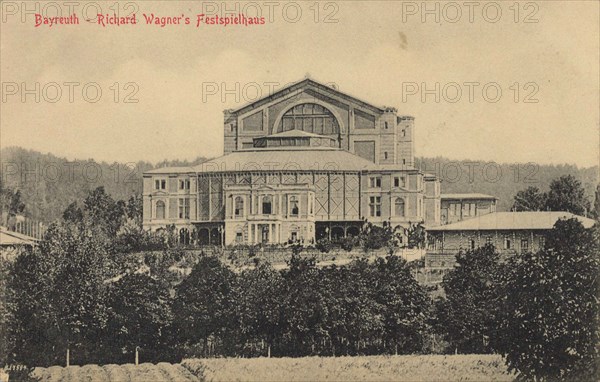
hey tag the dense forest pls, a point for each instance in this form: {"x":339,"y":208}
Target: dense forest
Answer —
{"x":48,"y":183}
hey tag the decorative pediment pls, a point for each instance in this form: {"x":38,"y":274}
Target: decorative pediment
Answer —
{"x":264,"y":187}
{"x":312,"y":87}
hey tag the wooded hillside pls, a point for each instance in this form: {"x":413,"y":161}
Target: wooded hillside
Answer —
{"x":49,"y":183}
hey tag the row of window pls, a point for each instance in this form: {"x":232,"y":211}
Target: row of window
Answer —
{"x":508,"y":243}
{"x":399,"y":207}
{"x":184,"y":209}
{"x":468,"y":209}
{"x":161,"y":184}
{"x":375,"y":181}
{"x":267,"y":206}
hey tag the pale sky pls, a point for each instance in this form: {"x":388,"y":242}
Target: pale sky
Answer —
{"x":378,"y":51}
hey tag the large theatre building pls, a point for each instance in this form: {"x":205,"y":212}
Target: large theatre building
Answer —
{"x":303,"y":163}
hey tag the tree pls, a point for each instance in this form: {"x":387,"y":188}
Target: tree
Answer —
{"x":354,"y":325}
{"x":417,"y":236}
{"x":73,"y":213}
{"x":5,"y":320}
{"x":549,"y":319}
{"x":305,"y":311}
{"x":10,"y":204}
{"x":260,"y":308}
{"x":140,"y":317}
{"x":375,"y":237}
{"x":134,"y":208}
{"x":530,"y":199}
{"x":567,"y":194}
{"x":466,"y":316}
{"x":204,"y":306}
{"x":103,"y":211}
{"x":596,"y":211}
{"x":57,"y":296}
{"x":404,"y":304}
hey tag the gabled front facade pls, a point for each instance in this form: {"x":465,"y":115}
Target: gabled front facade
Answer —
{"x":304,"y":163}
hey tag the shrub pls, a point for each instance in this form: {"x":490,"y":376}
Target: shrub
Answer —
{"x":324,"y":245}
{"x":549,"y":311}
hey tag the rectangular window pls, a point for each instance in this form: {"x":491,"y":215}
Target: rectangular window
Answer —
{"x":524,"y":245}
{"x":465,"y":208}
{"x":375,"y":182}
{"x":239,"y":237}
{"x":160,"y":184}
{"x":396,"y":182}
{"x":163,"y":184}
{"x":385,"y":155}
{"x":375,"y":206}
{"x":542,"y":242}
{"x":507,"y":244}
{"x":184,"y":208}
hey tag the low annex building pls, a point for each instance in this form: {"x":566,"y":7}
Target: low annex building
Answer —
{"x":509,"y":232}
{"x":304,"y":163}
{"x":457,"y":207}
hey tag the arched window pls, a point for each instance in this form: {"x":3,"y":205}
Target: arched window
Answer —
{"x":160,"y":209}
{"x":239,"y":206}
{"x":309,"y":117}
{"x":399,"y":207}
{"x":294,"y":206}
{"x":267,"y":205}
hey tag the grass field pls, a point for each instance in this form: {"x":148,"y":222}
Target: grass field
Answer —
{"x":374,"y":368}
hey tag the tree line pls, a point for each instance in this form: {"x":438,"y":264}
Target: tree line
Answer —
{"x":565,"y":193}
{"x":48,"y":183}
{"x":71,"y":293}
{"x":539,"y":310}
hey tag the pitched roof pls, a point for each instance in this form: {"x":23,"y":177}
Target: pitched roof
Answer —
{"x":539,"y":220}
{"x":468,"y":196}
{"x":302,"y":84}
{"x":171,"y":170}
{"x":14,"y":238}
{"x":288,"y":159}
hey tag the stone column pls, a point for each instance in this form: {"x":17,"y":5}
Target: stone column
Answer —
{"x":270,"y":233}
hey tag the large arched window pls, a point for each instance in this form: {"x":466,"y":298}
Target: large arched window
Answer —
{"x":239,"y":207}
{"x":160,"y":209}
{"x":399,"y":207}
{"x":294,"y":210}
{"x":311,"y":118}
{"x":267,"y":205}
